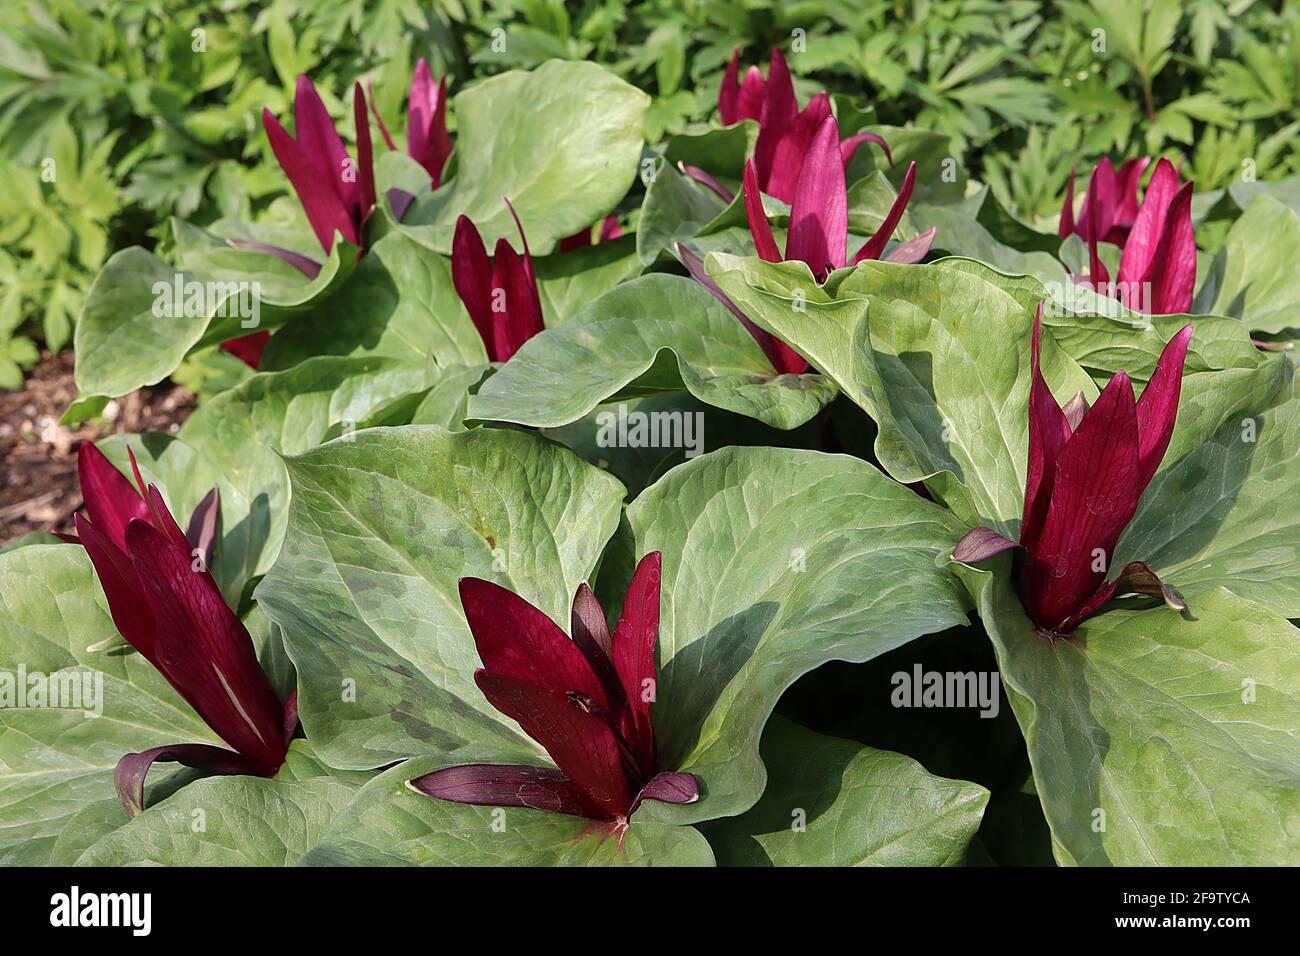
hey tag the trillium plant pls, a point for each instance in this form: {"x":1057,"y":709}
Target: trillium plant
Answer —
{"x":585,"y":699}
{"x":166,"y":605}
{"x":1087,"y":470}
{"x":581,"y":474}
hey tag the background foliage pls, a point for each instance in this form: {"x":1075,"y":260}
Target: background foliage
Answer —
{"x":142,"y":125}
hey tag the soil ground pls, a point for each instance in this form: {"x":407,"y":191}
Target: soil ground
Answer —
{"x":38,"y":481}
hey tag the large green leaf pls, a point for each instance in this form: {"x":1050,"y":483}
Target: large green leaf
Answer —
{"x":399,"y":302}
{"x":595,"y":436}
{"x":832,"y":802}
{"x":234,"y":821}
{"x":656,"y":334}
{"x":1253,"y":276}
{"x":121,"y":344}
{"x":914,"y":346}
{"x":568,"y":281}
{"x":677,"y":208}
{"x":1155,"y":737}
{"x":389,"y":824}
{"x":962,"y":235}
{"x":56,"y":761}
{"x":381,"y":527}
{"x":283,"y":286}
{"x":234,"y":442}
{"x":774,"y":562}
{"x":1285,"y":191}
{"x":939,"y":356}
{"x":562,"y":142}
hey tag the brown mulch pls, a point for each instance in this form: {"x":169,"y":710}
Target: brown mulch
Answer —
{"x":38,"y":483}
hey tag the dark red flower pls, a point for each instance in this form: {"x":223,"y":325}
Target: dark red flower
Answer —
{"x":785,"y":133}
{"x":1157,"y":268}
{"x":586,"y":700}
{"x":166,"y":604}
{"x":1088,"y":468}
{"x":427,"y":139}
{"x":500,"y":293}
{"x":818,"y":234}
{"x":1116,"y":194}
{"x":819,"y":213}
{"x":336,"y":193}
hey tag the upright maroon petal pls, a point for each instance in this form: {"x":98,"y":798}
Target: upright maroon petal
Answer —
{"x":729,"y":95}
{"x":127,"y":602}
{"x":111,"y":501}
{"x":1096,"y":218}
{"x":819,"y":215}
{"x":437,"y":148}
{"x":1093,"y":498}
{"x":582,"y":745}
{"x":790,"y":154}
{"x":523,"y":239}
{"x":635,"y":639}
{"x":759,"y":227}
{"x":780,"y":109}
{"x":1065,"y":225}
{"x":320,"y":199}
{"x":203,"y":649}
{"x":518,"y":641}
{"x":873,"y":247}
{"x":1048,"y":432}
{"x":365,"y":155}
{"x":471,"y":274}
{"x":591,"y":634}
{"x":1173,"y":268}
{"x":1157,"y":409}
{"x":160,"y":517}
{"x":321,"y":142}
{"x":753,"y":92}
{"x":419,"y":109}
{"x":128,"y":776}
{"x":1144,"y":238}
{"x":427,"y":139}
{"x":522,"y":318}
{"x":494,"y":785}
{"x":1098,"y":275}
